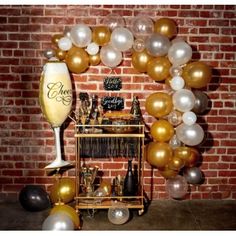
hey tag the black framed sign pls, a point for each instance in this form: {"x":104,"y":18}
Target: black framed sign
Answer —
{"x":112,"y":83}
{"x":112,"y":103}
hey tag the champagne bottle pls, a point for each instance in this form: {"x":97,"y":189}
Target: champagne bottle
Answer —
{"x":129,"y":182}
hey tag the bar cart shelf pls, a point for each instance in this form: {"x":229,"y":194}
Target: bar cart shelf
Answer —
{"x":108,"y":131}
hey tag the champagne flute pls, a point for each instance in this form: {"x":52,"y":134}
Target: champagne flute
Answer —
{"x":55,"y":97}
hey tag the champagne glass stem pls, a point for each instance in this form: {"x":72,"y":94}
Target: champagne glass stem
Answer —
{"x":57,"y":142}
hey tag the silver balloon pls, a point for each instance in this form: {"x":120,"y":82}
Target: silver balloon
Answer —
{"x":176,"y":71}
{"x":142,"y":27}
{"x":81,"y":35}
{"x":157,"y":45}
{"x":122,"y":39}
{"x":183,"y":100}
{"x":177,"y":187}
{"x":118,"y":214}
{"x":113,"y":21}
{"x":201,"y":102}
{"x":139,"y":45}
{"x":58,"y":221}
{"x":110,"y":56}
{"x":179,"y":53}
{"x":190,"y":135}
{"x":174,"y":142}
{"x":193,"y":175}
{"x":49,"y":53}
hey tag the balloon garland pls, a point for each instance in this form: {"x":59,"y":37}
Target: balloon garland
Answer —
{"x":156,"y":52}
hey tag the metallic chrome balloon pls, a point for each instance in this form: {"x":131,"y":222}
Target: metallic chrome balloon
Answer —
{"x":201,"y":102}
{"x":177,"y":187}
{"x":58,"y":221}
{"x":177,"y":83}
{"x":157,"y":45}
{"x":49,"y":53}
{"x":190,"y":135}
{"x":193,"y":175}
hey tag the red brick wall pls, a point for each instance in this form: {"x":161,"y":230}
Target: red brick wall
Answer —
{"x":26,"y":140}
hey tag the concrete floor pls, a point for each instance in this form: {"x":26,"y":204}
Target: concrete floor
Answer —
{"x":161,"y":215}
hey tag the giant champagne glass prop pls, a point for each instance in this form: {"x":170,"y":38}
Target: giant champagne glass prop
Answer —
{"x":55,"y":97}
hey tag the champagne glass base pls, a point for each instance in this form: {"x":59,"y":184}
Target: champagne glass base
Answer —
{"x":57,"y":164}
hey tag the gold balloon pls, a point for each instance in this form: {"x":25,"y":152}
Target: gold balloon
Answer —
{"x":159,"y":154}
{"x":158,"y":68}
{"x":168,"y":173}
{"x":101,"y":35}
{"x":176,"y":163}
{"x":56,"y":38}
{"x":167,"y":81}
{"x":162,"y":130}
{"x":140,"y":60}
{"x":65,"y":189}
{"x":60,"y":54}
{"x":106,"y":186}
{"x":197,"y":74}
{"x":182,"y":153}
{"x":193,"y":158}
{"x":77,"y":60}
{"x":166,"y":27}
{"x":69,"y":211}
{"x":159,"y":104}
{"x":94,"y":59}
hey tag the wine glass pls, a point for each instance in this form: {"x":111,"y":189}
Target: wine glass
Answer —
{"x":55,"y":97}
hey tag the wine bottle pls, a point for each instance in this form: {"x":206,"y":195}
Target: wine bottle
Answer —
{"x":129,"y":181}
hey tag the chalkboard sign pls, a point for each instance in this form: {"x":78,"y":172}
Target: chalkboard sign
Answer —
{"x":112,"y":83}
{"x":112,"y":103}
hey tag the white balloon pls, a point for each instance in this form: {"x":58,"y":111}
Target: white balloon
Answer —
{"x":110,"y":56}
{"x":189,"y":118}
{"x":183,"y":100}
{"x":122,"y":39}
{"x":179,"y":53}
{"x":177,"y":83}
{"x":92,"y":49}
{"x":64,"y":44}
{"x":81,"y":35}
{"x":190,"y":135}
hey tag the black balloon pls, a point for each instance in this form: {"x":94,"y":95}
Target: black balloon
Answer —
{"x":34,"y":198}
